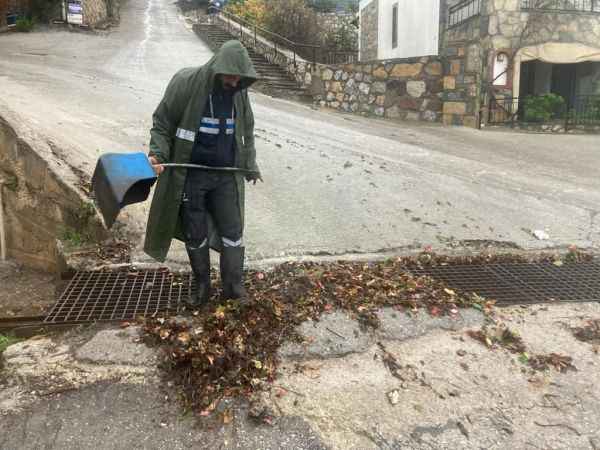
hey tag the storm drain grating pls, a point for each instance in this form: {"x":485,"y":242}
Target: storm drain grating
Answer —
{"x":124,"y":296}
{"x":110,"y":296}
{"x":522,"y":283}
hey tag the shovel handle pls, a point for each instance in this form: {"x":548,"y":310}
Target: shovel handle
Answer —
{"x":216,"y":169}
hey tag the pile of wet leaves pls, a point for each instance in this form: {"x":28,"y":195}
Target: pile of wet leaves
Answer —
{"x":230,"y":349}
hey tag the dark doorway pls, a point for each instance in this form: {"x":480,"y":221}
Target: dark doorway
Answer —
{"x":527,"y":86}
{"x":564,"y":80}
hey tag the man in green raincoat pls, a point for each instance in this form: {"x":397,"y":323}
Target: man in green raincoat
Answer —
{"x":205,"y":118}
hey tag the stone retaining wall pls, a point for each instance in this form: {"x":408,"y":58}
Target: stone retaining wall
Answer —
{"x":429,"y":88}
{"x":462,"y":81}
{"x":410,"y":89}
{"x":39,"y":205}
{"x":95,"y":12}
{"x":369,"y":31}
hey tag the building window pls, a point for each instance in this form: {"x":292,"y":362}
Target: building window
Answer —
{"x":395,"y":26}
{"x":501,"y":69}
{"x":463,"y":11}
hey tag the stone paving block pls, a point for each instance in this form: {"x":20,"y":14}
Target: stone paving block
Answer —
{"x":336,"y":334}
{"x":117,"y":346}
{"x":397,"y":325}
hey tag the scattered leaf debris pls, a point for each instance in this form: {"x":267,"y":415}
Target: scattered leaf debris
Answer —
{"x":230,"y":350}
{"x":561,"y":363}
{"x":499,"y":335}
{"x":590,"y":332}
{"x":235,"y":349}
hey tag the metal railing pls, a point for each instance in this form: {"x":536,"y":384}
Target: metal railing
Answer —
{"x":581,"y":110}
{"x":250,"y":33}
{"x":463,"y":11}
{"x":585,"y":110}
{"x":562,"y":5}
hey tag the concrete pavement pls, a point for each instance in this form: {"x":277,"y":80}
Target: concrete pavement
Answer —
{"x":101,"y":388}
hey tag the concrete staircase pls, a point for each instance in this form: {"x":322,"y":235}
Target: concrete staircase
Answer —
{"x":273,"y":78}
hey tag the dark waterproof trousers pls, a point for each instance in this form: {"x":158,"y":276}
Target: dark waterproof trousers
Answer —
{"x":215,"y":194}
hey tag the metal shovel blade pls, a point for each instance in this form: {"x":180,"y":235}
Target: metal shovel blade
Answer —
{"x":120,"y":180}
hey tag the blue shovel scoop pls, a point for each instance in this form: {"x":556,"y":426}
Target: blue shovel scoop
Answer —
{"x":124,"y":179}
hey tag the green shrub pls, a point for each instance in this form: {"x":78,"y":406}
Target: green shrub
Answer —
{"x":293,"y":19}
{"x":543,"y":108}
{"x":24,"y":25}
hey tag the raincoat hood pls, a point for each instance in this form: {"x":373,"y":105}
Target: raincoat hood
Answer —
{"x":232,"y":59}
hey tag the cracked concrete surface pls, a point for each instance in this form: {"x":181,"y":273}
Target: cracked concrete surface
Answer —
{"x":451,"y":391}
{"x":335,"y":184}
{"x":456,"y":393}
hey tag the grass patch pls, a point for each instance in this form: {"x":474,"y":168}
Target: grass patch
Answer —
{"x":73,"y":237}
{"x":25,"y":25}
{"x":6,"y":341}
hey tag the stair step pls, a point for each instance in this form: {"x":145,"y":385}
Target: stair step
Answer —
{"x":284,"y":86}
{"x":272,"y":75}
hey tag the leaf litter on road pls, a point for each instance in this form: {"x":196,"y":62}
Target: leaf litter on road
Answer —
{"x":500,"y":336}
{"x":235,"y":351}
{"x":238,"y":344}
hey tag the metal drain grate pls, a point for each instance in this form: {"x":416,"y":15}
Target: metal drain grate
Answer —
{"x":109,"y":296}
{"x":522,"y":283}
{"x":121,"y":296}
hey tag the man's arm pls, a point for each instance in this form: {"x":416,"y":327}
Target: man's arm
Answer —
{"x":249,"y":141}
{"x":165,"y":120}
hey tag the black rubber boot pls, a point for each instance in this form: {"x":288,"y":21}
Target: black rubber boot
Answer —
{"x":200,"y":262}
{"x":232,"y":273}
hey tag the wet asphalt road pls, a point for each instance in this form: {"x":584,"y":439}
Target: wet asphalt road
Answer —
{"x":334,"y":184}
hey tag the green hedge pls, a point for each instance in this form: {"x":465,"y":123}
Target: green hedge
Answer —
{"x":544,"y":108}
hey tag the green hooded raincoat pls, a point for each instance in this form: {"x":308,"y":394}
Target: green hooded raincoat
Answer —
{"x":176,"y":121}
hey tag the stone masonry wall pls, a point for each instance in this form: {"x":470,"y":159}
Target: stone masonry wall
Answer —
{"x":95,"y":12}
{"x":461,"y":84}
{"x":332,"y":22}
{"x":39,"y":205}
{"x":338,"y":24}
{"x":407,"y":89}
{"x":369,"y":35}
{"x":510,"y":27}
